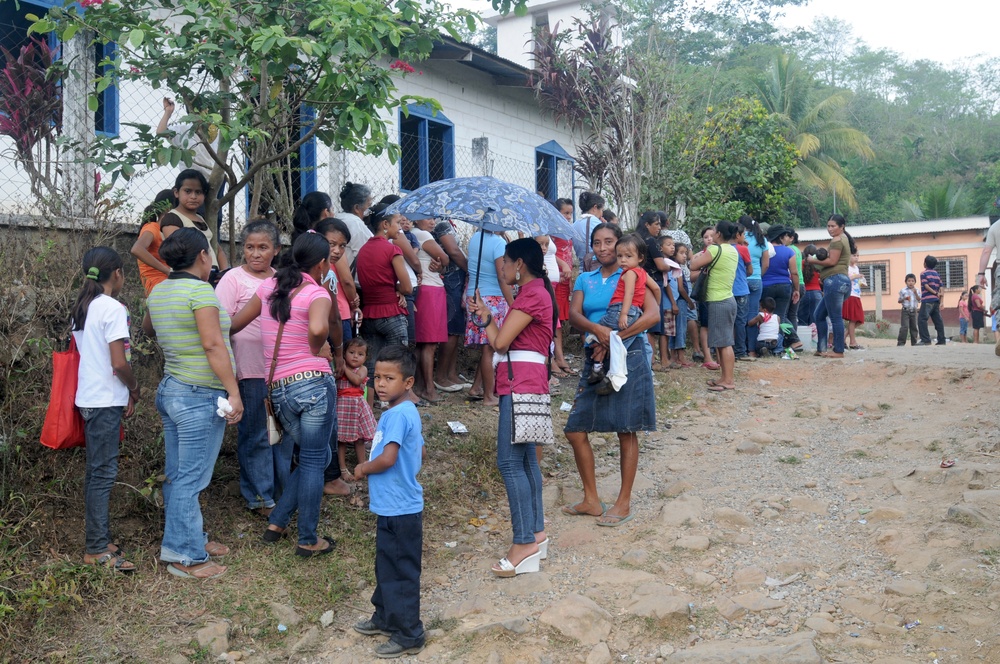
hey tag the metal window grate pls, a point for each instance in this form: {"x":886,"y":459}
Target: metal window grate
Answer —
{"x":869,"y":270}
{"x":953,"y":272}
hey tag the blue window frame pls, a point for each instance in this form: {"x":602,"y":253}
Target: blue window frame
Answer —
{"x":106,"y":115}
{"x":14,"y":34}
{"x":547,"y":158}
{"x":303,"y":162}
{"x":427,"y":147}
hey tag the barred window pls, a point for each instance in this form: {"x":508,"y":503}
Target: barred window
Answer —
{"x":952,"y":271}
{"x":868,"y":271}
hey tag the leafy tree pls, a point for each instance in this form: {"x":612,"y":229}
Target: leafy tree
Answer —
{"x":737,"y":163}
{"x":265,"y":75}
{"x":610,"y":94}
{"x":813,"y":124}
{"x":942,"y":201}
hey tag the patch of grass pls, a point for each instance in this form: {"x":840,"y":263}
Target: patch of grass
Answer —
{"x":885,"y":406}
{"x":791,"y":460}
{"x":992,"y":556}
{"x":859,"y":454}
{"x":445,"y":624}
{"x":934,"y":446}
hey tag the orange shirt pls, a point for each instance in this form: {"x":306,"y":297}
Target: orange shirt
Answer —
{"x":150,"y":275}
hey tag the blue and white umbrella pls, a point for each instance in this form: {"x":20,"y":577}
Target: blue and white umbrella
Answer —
{"x":488,"y":203}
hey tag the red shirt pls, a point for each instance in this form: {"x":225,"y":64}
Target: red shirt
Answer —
{"x":378,"y":278}
{"x":564,"y":249}
{"x":530,"y":377}
{"x":813,"y":283}
{"x":638,"y":296}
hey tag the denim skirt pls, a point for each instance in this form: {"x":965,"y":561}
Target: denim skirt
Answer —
{"x":633,"y":408}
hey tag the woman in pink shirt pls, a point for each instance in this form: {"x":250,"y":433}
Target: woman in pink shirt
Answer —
{"x":384,"y":284}
{"x":302,"y":386}
{"x":522,"y":347}
{"x":261,"y":476}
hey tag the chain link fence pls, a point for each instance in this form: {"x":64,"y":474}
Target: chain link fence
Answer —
{"x":43,"y":179}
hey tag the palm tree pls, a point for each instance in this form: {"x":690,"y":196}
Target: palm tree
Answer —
{"x":940,"y":201}
{"x":813,"y":127}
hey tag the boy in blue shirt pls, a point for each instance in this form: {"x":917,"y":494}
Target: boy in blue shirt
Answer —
{"x":398,"y":500}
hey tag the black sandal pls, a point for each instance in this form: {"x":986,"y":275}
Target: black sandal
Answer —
{"x":271,"y":536}
{"x":309,"y":553}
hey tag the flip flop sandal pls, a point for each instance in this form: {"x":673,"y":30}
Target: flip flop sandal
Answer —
{"x":570,"y":371}
{"x":618,"y":520}
{"x":570,"y":510}
{"x":185,"y":574}
{"x":113,"y":561}
{"x":718,"y":387}
{"x":309,"y":553}
{"x":473,"y":397}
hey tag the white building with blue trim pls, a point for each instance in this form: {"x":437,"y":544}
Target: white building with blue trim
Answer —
{"x":490,"y":124}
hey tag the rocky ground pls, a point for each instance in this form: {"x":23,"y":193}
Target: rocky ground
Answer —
{"x":803,"y":518}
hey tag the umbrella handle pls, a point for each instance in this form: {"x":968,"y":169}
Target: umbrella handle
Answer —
{"x":479,"y":260}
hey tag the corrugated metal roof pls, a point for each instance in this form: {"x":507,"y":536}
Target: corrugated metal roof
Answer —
{"x":901,"y":228}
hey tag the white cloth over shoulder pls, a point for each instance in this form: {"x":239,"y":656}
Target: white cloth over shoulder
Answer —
{"x":617,"y":362}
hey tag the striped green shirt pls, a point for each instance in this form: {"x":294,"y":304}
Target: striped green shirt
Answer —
{"x":172,"y":304}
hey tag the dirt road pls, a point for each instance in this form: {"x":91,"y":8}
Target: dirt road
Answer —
{"x":803,"y":518}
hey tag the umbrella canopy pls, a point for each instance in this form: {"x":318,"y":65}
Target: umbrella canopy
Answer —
{"x":486,"y":202}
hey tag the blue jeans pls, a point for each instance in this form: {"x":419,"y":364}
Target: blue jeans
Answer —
{"x":782,"y":294}
{"x":807,"y":307}
{"x":521,"y":476}
{"x":836,"y":289}
{"x":753,"y":308}
{"x":308,"y":412}
{"x":192,"y":436}
{"x":102,"y":430}
{"x":740,"y":326}
{"x":399,"y":542}
{"x":260,"y":470}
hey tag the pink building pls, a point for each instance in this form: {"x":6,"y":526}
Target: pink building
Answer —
{"x":895,"y":250}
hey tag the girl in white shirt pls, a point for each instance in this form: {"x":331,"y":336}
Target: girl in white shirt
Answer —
{"x":106,"y":390}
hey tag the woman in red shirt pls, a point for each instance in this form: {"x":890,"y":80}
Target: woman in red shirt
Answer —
{"x":384,"y":286}
{"x":522,"y":347}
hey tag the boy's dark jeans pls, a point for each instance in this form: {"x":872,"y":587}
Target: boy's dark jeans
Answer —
{"x":930,"y":310}
{"x":907,"y":322}
{"x":398,"y":546}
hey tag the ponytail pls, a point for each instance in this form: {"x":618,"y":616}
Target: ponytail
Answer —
{"x":308,"y":212}
{"x":99,"y":264}
{"x":530,"y":252}
{"x":307,"y":251}
{"x":850,"y":240}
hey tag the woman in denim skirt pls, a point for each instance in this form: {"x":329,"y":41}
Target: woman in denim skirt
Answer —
{"x":303,"y":390}
{"x":192,"y":329}
{"x":625,"y":412}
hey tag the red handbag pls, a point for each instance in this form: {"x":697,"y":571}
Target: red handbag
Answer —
{"x":63,"y":427}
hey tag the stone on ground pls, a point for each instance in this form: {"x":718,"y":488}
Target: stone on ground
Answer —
{"x":795,"y":649}
{"x":579,"y":618}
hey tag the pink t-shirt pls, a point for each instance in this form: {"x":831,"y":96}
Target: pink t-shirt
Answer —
{"x":294,"y":355}
{"x":235,"y":289}
{"x":530,"y":377}
{"x":378,"y":279}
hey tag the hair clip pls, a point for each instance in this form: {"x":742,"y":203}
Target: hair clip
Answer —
{"x":94,"y":273}
{"x":312,"y":231}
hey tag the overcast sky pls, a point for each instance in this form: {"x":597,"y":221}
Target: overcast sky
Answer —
{"x":940,"y":31}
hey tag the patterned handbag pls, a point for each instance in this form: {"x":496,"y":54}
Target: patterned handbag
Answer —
{"x":531,"y":418}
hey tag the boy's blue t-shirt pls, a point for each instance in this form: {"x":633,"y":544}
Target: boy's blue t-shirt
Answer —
{"x":396,"y":491}
{"x":493,"y":248}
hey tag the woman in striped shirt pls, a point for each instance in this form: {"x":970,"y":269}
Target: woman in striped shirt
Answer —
{"x":192,"y":328}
